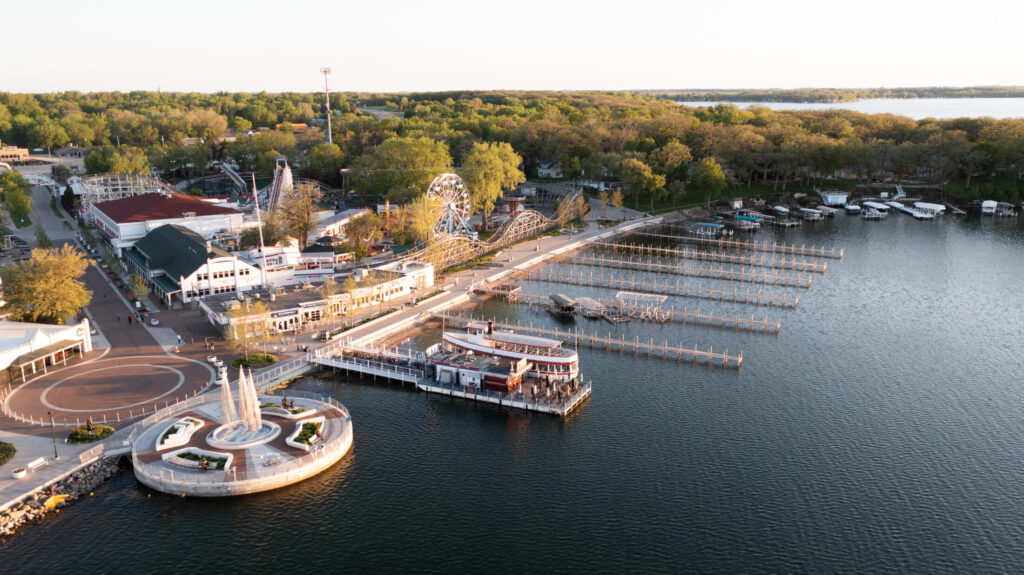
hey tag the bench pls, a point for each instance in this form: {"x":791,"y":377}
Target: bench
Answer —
{"x":36,"y":464}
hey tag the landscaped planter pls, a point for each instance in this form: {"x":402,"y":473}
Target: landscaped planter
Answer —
{"x":19,"y":473}
{"x":291,"y":413}
{"x":179,"y":433}
{"x":175,"y":457}
{"x":294,"y":439}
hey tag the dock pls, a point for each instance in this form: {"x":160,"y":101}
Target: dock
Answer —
{"x":677,"y":289}
{"x":652,"y":349}
{"x":408,"y":366}
{"x":756,"y":246}
{"x":764,"y":261}
{"x":717,"y":273}
{"x":526,"y":399}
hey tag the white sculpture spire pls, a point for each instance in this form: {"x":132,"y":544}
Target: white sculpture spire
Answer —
{"x":228,"y":414}
{"x":248,"y":403}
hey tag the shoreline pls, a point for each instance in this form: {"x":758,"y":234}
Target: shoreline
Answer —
{"x":33,"y":507}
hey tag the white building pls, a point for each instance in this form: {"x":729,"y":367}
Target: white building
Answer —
{"x":285,"y":264}
{"x":549,"y":170}
{"x":291,"y":309}
{"x":330,"y":224}
{"x":124,"y":221}
{"x":178,"y":262}
{"x":28,"y":348}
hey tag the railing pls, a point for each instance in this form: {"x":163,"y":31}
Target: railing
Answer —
{"x":283,"y":471}
{"x":93,"y":453}
{"x":374,"y":365}
{"x":570,"y":400}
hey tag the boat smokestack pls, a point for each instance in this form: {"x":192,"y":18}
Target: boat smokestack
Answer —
{"x":490,"y":328}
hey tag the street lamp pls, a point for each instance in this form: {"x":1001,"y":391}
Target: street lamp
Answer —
{"x":53,"y":435}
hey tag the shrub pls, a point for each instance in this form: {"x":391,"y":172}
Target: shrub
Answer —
{"x":308,"y":431}
{"x":218,"y":462}
{"x":254,"y":360}
{"x":85,"y":435}
{"x":7,"y":451}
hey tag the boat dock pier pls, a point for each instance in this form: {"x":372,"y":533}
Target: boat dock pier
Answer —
{"x":666,"y":288}
{"x":409,"y":366}
{"x":756,"y":246}
{"x":719,"y":273}
{"x":763,"y":261}
{"x":609,"y":343}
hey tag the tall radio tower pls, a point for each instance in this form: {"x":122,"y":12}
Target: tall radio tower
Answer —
{"x":327,"y":98}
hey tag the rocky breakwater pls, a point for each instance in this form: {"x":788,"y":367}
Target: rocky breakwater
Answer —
{"x":34,"y":506}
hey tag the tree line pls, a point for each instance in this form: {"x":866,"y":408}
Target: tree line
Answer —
{"x":647,"y":144}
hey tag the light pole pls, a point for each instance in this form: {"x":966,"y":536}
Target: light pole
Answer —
{"x":53,"y":435}
{"x":327,"y":99}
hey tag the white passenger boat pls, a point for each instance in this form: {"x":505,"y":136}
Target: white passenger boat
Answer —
{"x":781,"y":210}
{"x":852,"y":208}
{"x":547,"y":356}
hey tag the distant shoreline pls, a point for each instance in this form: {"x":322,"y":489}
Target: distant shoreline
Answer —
{"x":835,"y":95}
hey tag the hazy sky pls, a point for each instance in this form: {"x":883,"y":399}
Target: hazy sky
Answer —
{"x":407,"y":45}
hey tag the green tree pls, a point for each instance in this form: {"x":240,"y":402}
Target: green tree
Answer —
{"x":273,"y":232}
{"x":48,"y":135}
{"x":298,"y":210}
{"x":16,"y":192}
{"x":42,"y":240}
{"x":423,"y":212}
{"x":46,"y":287}
{"x":362,"y":231}
{"x":402,"y":168}
{"x":640,"y":179}
{"x":710,"y":178}
{"x":248,"y":326}
{"x":240,"y":124}
{"x":488,"y":169}
{"x":139,"y":288}
{"x":616,"y":198}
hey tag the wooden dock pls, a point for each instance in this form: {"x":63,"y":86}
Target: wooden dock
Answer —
{"x":746,"y":274}
{"x":666,"y":288}
{"x":718,"y":257}
{"x":756,"y":246}
{"x":620,"y":344}
{"x":684,"y":316}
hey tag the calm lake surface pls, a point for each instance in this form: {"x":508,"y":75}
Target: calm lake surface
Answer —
{"x":881,"y":432}
{"x":915,"y":108}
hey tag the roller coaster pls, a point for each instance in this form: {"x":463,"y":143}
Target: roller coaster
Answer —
{"x":455,"y":244}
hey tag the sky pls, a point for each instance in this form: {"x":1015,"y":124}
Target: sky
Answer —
{"x":408,"y":45}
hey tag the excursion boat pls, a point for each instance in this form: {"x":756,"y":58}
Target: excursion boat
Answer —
{"x":852,"y":208}
{"x":873,"y":214}
{"x":781,"y":211}
{"x":547,"y":358}
{"x":988,"y":207}
{"x":810,"y":215}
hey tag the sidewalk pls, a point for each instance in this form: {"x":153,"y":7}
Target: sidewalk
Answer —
{"x":32,"y":446}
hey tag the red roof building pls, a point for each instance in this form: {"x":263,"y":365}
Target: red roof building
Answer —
{"x":123,"y":221}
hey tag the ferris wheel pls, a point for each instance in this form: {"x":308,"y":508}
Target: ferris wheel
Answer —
{"x":452,"y":195}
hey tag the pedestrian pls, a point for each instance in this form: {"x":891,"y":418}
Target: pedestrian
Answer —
{"x":129,"y":321}
{"x":180,"y":340}
{"x":118,"y":319}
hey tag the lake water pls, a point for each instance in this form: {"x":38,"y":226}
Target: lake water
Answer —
{"x":914,"y":108}
{"x":881,"y":431}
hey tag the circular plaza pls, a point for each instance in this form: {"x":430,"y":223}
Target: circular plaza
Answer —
{"x":239,"y":442}
{"x":108,"y":389}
